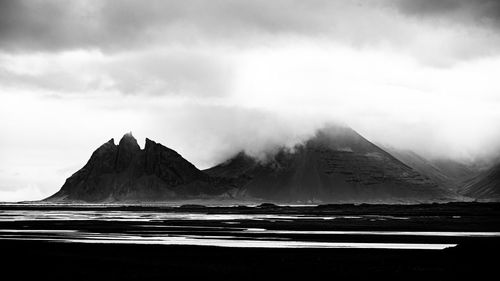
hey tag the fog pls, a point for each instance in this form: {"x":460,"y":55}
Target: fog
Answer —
{"x":212,"y":78}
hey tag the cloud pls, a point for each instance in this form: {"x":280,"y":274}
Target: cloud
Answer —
{"x":149,"y":72}
{"x":210,"y":78}
{"x":479,"y":12}
{"x":443,"y":30}
{"x":209,"y":133}
{"x":174,"y":72}
{"x":53,"y":25}
{"x":53,"y":138}
{"x":43,"y":137}
{"x":20,"y":194}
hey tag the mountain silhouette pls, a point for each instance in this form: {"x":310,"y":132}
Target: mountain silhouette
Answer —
{"x":127,"y":172}
{"x":336,"y":165}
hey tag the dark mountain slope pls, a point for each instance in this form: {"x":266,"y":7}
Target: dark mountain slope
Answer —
{"x":125,"y":172}
{"x":484,"y":186}
{"x":336,"y":165}
{"x":426,"y":168}
{"x":455,"y":170}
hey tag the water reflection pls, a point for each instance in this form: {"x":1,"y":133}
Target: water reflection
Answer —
{"x":20,"y":215}
{"x":222,"y":230}
{"x":222,"y":241}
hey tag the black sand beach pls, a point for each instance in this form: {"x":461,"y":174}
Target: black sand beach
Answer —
{"x":74,"y":261}
{"x":53,"y":247}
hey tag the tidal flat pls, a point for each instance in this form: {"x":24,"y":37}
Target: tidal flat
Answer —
{"x":246,"y":242}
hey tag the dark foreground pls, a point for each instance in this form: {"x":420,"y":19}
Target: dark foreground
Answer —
{"x":38,"y":246}
{"x":66,"y":261}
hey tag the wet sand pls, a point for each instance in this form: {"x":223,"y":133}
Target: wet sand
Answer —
{"x":75,"y":261}
{"x":80,"y":242}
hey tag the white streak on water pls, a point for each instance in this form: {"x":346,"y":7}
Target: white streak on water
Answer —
{"x":388,"y":233}
{"x":189,"y":241}
{"x":134,"y":216}
{"x":292,"y":232}
{"x":38,"y":231}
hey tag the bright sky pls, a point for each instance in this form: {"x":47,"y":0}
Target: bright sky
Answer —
{"x":210,"y":78}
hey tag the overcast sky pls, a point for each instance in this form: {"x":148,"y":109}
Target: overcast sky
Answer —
{"x":210,"y":78}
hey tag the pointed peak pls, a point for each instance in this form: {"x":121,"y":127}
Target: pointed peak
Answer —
{"x":149,"y":144}
{"x":107,"y":145}
{"x":128,"y":140}
{"x":128,"y":135}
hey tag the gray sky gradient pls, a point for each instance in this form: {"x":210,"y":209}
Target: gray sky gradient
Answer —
{"x":210,"y":78}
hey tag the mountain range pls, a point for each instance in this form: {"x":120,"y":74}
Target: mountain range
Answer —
{"x":486,"y":185}
{"x":336,"y":165}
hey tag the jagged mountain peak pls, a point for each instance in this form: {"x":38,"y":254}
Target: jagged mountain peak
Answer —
{"x":125,"y":172}
{"x":335,"y":165}
{"x":129,"y":141}
{"x":128,"y":135}
{"x":150,"y":142}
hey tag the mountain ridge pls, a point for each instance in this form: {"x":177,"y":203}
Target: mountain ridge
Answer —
{"x":336,"y":165}
{"x":125,"y":171}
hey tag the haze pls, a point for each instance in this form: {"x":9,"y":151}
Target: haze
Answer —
{"x":211,"y":78}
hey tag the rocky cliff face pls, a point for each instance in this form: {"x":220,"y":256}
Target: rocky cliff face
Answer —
{"x":127,"y":172}
{"x":337,"y":165}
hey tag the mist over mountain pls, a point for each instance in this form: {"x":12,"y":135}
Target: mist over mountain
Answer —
{"x":273,"y":139}
{"x":456,"y":170}
{"x":336,"y":165}
{"x":480,"y":180}
{"x":423,"y":166}
{"x":445,"y":172}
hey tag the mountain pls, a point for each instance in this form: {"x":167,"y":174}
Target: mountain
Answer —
{"x":484,"y":186}
{"x":336,"y":165}
{"x":446,"y":178}
{"x":455,"y":170}
{"x":127,"y":172}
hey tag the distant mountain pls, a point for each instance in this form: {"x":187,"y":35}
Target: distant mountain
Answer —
{"x":446,"y":178}
{"x":455,"y":170}
{"x":484,"y":186}
{"x":336,"y":165}
{"x":127,"y":172}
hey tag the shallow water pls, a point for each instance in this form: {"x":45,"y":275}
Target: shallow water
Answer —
{"x":22,"y":215}
{"x":238,"y":229}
